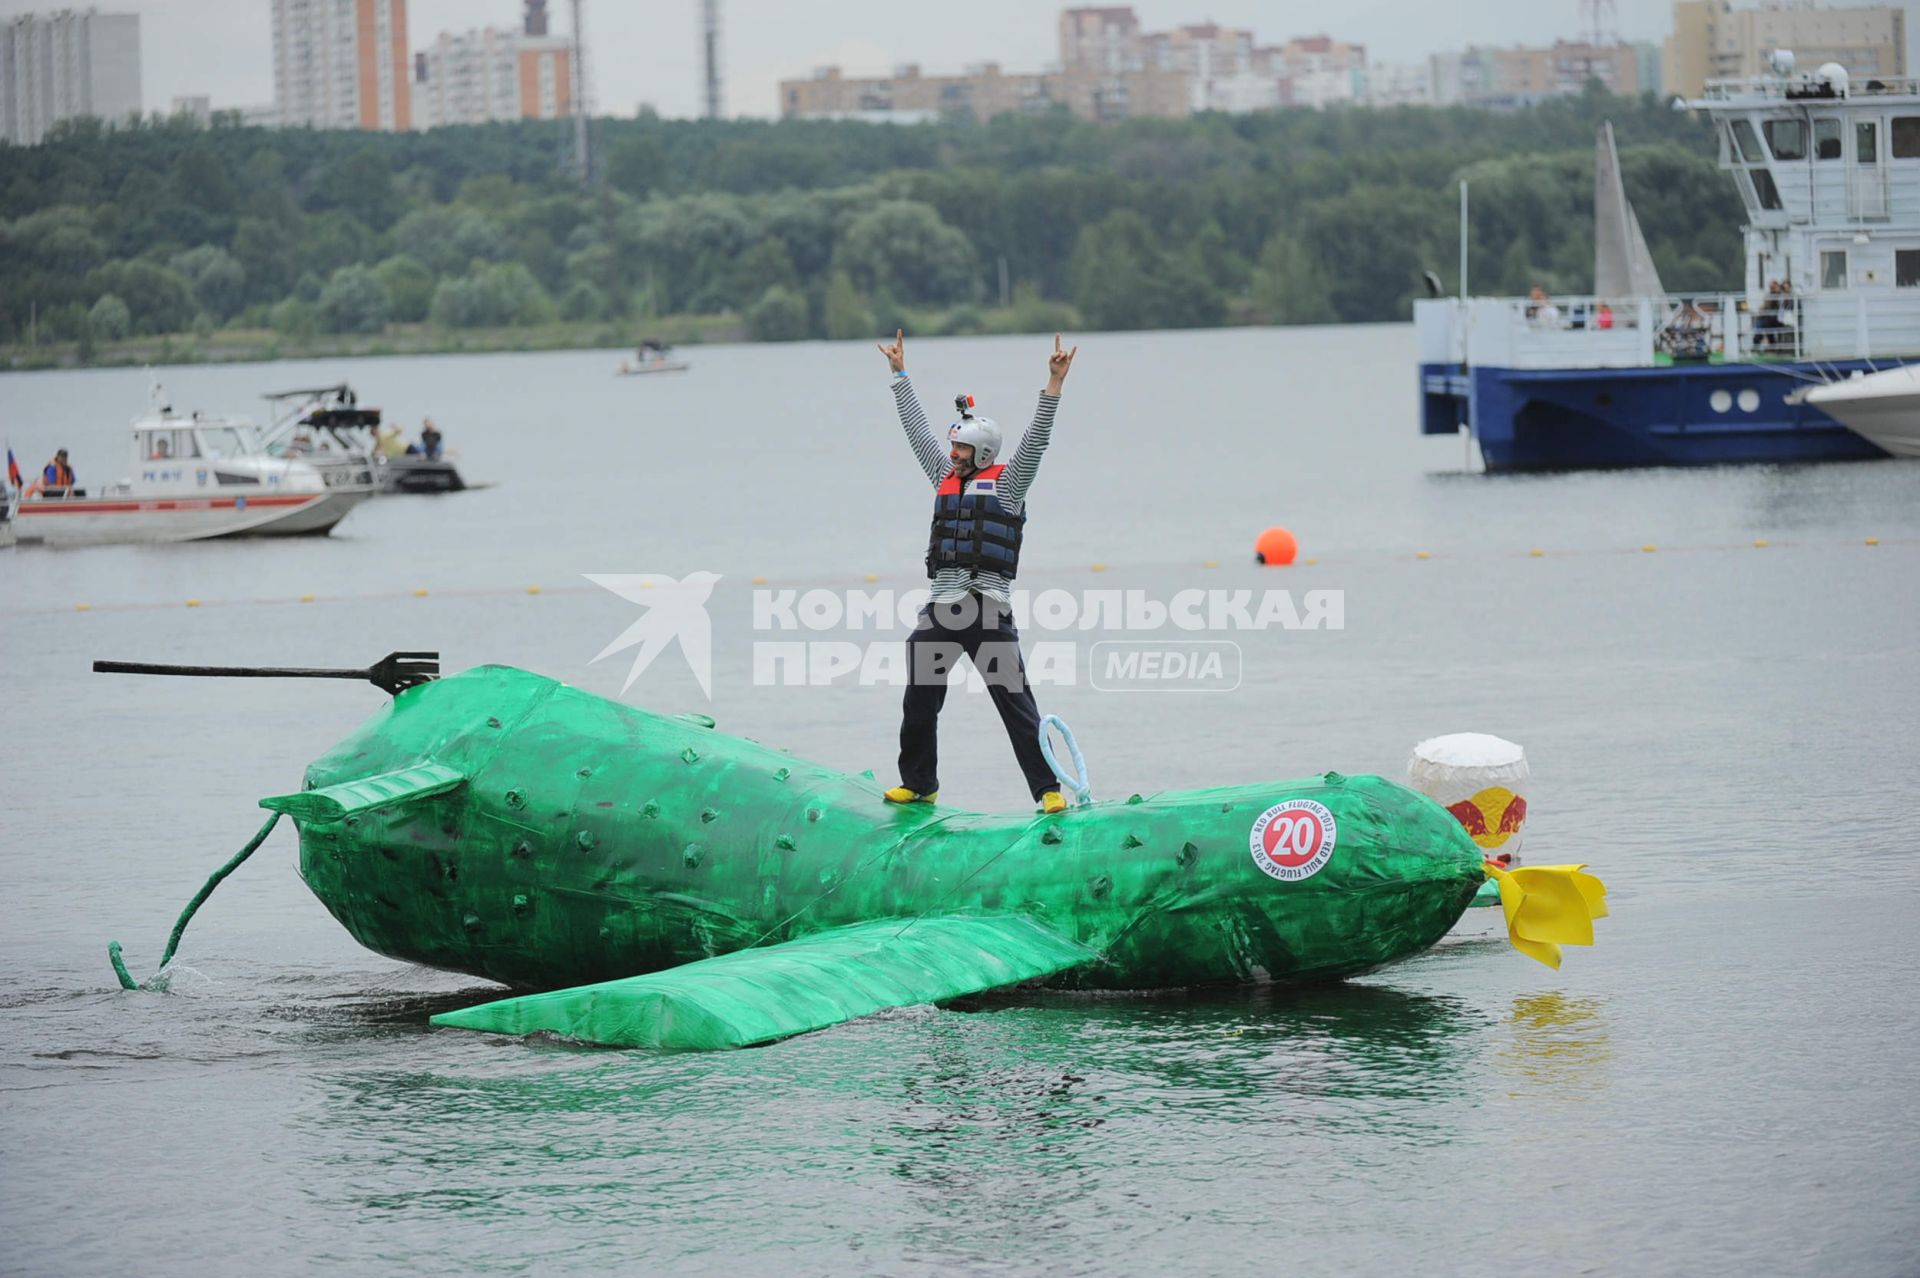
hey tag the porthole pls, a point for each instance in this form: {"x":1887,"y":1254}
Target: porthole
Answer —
{"x":1749,"y":400}
{"x":1720,"y":401}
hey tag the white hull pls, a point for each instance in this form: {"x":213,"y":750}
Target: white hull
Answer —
{"x":145,"y":521}
{"x":1883,"y":408}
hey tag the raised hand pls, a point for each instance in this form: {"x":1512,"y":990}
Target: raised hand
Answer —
{"x":896,"y":353}
{"x":1057,"y":365}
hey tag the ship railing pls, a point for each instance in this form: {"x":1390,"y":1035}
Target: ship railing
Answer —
{"x":1644,"y":332}
{"x":1616,"y":332}
{"x":1796,"y":88}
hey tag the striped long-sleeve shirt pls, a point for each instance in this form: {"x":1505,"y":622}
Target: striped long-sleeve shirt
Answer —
{"x":955,"y":582}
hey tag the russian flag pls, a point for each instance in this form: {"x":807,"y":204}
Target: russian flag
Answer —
{"x":13,"y":470}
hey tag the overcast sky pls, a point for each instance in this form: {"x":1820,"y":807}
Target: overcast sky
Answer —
{"x":647,"y":51}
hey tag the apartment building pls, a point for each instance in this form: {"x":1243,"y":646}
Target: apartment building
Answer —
{"x":1520,"y":77}
{"x":1101,"y":38}
{"x":1319,"y":71}
{"x":982,"y":92}
{"x":1399,"y":84}
{"x":1712,"y":40}
{"x":1225,"y":68}
{"x":64,"y":66}
{"x":342,"y":64}
{"x":490,"y":74}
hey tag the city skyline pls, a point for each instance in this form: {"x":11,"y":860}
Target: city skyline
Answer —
{"x":223,"y":48}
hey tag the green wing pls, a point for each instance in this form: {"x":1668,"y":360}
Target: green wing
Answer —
{"x":338,"y":802}
{"x":759,"y":995}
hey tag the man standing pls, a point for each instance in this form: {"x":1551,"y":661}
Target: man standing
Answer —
{"x":973,"y":552}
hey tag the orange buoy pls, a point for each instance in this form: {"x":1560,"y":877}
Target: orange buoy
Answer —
{"x":1275,"y":546}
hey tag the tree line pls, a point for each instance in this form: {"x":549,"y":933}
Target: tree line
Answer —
{"x":833,"y":229}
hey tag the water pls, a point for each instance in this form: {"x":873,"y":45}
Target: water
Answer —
{"x":1729,"y":1081}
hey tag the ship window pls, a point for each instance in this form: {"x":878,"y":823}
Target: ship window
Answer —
{"x":1746,"y":143}
{"x":1788,"y":138}
{"x":1865,"y":146}
{"x":1826,"y":139}
{"x":1906,"y":137}
{"x":170,"y":445}
{"x":221,"y":441}
{"x":1763,"y":186}
{"x":1906,"y":268}
{"x":1833,"y":268}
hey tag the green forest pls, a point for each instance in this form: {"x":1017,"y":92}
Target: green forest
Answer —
{"x":792,"y":229}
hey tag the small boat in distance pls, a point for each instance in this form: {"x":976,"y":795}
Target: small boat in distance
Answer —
{"x":194,"y":478}
{"x":651,"y":357}
{"x":1882,"y":407}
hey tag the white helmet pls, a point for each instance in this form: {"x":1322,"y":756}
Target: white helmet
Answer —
{"x":982,"y":433}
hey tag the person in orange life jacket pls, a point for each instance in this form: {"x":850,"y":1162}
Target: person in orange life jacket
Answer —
{"x":56,"y":480}
{"x":973,"y":552}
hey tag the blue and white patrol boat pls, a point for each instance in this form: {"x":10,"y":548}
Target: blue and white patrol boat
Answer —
{"x":1829,"y":172}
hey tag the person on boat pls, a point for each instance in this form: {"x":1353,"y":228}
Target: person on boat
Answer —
{"x":430,"y":440}
{"x":1541,"y":310}
{"x":162,"y":450}
{"x":56,"y":478}
{"x":1603,"y":316}
{"x":973,"y":552}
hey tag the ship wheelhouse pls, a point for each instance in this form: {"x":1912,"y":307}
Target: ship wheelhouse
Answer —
{"x":1829,"y":173}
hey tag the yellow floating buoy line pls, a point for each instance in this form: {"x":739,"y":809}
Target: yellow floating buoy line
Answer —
{"x":422,"y":592}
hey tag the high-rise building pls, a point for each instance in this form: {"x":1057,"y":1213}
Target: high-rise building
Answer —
{"x":1219,"y":63}
{"x":476,"y":76}
{"x":1712,"y":40}
{"x":66,"y":66}
{"x":342,"y":64}
{"x":1100,"y":39}
{"x":1319,"y":71}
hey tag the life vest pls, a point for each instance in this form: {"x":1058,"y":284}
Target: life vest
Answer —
{"x":971,"y":529}
{"x":57,"y":475}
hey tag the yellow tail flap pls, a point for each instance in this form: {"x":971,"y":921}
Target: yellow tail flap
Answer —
{"x":1548,"y":906}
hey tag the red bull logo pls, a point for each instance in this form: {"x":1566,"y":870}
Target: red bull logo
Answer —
{"x":1492,"y":816}
{"x":1291,"y":841}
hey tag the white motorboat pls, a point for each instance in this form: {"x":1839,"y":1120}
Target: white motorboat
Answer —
{"x":325,"y":427}
{"x":1881,"y":407}
{"x":194,"y":478}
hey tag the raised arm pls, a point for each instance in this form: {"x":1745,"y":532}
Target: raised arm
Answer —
{"x":1025,"y":463}
{"x":913,"y":418}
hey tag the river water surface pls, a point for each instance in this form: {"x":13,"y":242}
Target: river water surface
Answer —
{"x":1729,"y":1081}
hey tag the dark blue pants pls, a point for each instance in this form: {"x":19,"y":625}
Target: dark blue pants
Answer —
{"x":982,"y":630}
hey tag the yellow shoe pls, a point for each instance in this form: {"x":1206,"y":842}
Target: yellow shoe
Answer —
{"x":1053,"y":801}
{"x":900,"y":794}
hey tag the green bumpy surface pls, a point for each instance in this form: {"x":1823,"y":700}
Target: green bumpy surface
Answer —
{"x":591,"y":841}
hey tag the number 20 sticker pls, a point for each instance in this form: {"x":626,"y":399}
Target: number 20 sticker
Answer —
{"x":1292,"y":840}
